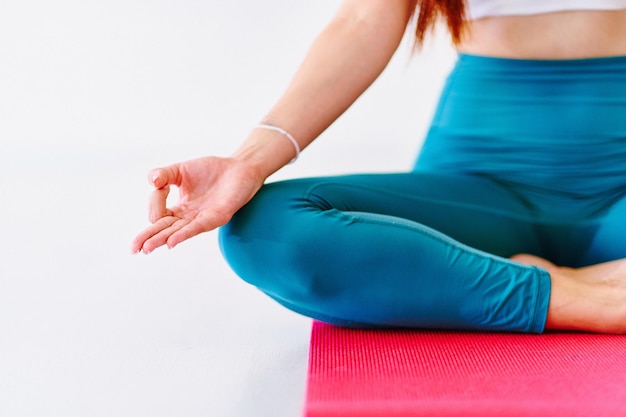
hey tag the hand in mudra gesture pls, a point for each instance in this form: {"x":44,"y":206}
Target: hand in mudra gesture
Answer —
{"x":211,"y":190}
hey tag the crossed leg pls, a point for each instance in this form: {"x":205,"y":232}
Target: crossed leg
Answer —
{"x":415,"y":250}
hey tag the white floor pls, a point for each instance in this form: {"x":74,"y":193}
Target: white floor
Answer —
{"x":93,"y":95}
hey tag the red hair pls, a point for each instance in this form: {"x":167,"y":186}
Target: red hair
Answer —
{"x":430,"y":10}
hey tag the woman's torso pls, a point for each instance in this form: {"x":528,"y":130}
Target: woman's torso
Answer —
{"x":546,"y":122}
{"x":556,"y":35}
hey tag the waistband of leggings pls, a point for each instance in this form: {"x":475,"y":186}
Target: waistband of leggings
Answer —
{"x":616,"y":63}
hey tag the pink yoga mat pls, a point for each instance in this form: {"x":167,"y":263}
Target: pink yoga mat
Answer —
{"x":434,"y":373}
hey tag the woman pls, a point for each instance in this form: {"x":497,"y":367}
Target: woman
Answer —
{"x":523,"y":169}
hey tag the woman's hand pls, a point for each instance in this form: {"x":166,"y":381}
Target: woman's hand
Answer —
{"x":211,"y":190}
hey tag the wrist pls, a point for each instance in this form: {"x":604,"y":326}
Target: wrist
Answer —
{"x":267,"y":149}
{"x":294,"y":142}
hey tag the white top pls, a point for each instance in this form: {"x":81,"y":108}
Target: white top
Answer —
{"x":483,"y":8}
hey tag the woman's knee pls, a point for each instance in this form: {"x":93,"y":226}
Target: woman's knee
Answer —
{"x":265,"y":246}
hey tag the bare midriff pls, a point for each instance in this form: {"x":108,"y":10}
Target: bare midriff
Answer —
{"x":558,"y":35}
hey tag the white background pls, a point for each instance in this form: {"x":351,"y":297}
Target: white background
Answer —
{"x":92,"y":95}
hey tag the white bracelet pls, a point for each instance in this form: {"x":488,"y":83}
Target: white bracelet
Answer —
{"x":286,"y":134}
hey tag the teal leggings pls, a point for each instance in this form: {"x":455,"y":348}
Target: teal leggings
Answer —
{"x":521,"y":157}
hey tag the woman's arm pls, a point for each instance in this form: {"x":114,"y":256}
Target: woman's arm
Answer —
{"x":342,"y":62}
{"x":345,"y":59}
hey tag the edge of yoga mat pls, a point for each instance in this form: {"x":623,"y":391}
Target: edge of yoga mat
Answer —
{"x":402,"y":373}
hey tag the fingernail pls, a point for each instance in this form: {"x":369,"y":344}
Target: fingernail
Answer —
{"x":154,"y":178}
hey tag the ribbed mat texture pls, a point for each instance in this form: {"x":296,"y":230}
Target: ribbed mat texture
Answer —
{"x":391,"y":373}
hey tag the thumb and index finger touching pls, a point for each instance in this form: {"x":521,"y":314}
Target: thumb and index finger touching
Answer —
{"x":161,"y":179}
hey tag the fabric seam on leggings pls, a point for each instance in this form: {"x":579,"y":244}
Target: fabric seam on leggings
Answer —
{"x":475,"y":207}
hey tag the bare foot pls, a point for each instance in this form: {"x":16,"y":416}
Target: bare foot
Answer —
{"x":596,"y":272}
{"x":527,"y":259}
{"x":590,"y":299}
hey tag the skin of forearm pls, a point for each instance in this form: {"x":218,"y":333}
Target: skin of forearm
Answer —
{"x":342,"y":63}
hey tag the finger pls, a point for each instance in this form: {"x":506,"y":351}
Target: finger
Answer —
{"x":138,"y":243}
{"x":161,"y":237}
{"x":162,"y":177}
{"x":157,"y":204}
{"x":190,"y":230}
{"x":195,"y":227}
{"x":135,"y":245}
